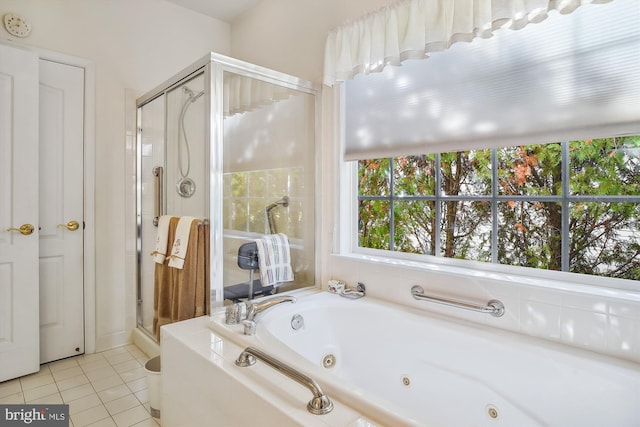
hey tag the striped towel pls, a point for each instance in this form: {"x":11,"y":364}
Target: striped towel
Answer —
{"x":274,"y":259}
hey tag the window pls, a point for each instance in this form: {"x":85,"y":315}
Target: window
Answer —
{"x":571,"y":206}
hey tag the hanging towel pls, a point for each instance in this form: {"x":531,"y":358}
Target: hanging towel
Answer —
{"x":181,"y":294}
{"x":274,"y":259}
{"x":161,"y":239}
{"x":181,"y":242}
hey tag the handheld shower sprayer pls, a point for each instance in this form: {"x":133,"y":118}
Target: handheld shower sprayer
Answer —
{"x":185,"y":185}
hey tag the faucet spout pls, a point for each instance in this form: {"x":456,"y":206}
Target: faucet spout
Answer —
{"x":255,"y":308}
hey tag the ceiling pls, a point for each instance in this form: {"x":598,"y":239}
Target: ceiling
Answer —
{"x":225,"y":10}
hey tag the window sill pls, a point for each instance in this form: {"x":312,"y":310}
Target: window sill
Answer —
{"x":555,"y":280}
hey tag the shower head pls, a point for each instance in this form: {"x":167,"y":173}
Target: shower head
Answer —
{"x":282,"y":202}
{"x":192,"y":95}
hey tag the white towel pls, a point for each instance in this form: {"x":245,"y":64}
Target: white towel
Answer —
{"x":160,"y":253}
{"x":180,"y":242}
{"x":274,"y":259}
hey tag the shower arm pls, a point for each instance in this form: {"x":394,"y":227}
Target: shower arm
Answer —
{"x":272,"y":223}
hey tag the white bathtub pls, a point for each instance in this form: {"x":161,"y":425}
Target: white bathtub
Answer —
{"x":395,"y":363}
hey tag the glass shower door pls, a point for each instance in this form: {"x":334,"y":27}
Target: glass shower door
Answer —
{"x":173,"y":149}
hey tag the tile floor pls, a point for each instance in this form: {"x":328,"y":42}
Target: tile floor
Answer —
{"x":102,"y":389}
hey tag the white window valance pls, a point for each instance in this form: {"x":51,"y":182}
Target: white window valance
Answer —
{"x":410,"y":29}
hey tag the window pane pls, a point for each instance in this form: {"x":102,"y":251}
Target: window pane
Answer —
{"x":414,"y":224}
{"x":374,"y":178}
{"x":415,"y":175}
{"x":466,"y":173}
{"x":466,"y":230}
{"x":374,"y":224}
{"x":605,"y":239}
{"x":530,"y":235}
{"x":607,"y":166}
{"x":533,"y":170}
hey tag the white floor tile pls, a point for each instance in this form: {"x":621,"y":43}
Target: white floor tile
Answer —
{"x":72,"y":382}
{"x":119,"y":358}
{"x":137,"y":385}
{"x":131,"y":416}
{"x":101,"y":373}
{"x":52,"y":399}
{"x":114,"y":393}
{"x":134,"y":374}
{"x":36,"y":380}
{"x":127,"y":366}
{"x":12,"y":399}
{"x":65,"y":374}
{"x":88,"y":358}
{"x":90,"y":416}
{"x":143,"y":395}
{"x":122,"y":404}
{"x":107,"y":422}
{"x":61,"y":365}
{"x":10,"y":387}
{"x":77,"y":392}
{"x":106,"y":383}
{"x":84,"y":403}
{"x":149,"y":422}
{"x":38,"y":392}
{"x":95,"y":364}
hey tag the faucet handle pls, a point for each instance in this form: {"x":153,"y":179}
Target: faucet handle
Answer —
{"x":249,"y":327}
{"x":359,"y":292}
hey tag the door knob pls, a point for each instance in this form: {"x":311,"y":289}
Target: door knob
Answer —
{"x":71,"y":225}
{"x":24,"y":229}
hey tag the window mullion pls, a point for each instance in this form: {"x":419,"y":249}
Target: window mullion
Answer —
{"x":566,"y":188}
{"x":392,"y":199}
{"x":437,"y":206}
{"x":494,"y":206}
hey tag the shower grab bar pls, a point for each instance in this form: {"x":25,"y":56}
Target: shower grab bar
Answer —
{"x":320,"y":404}
{"x":157,"y":180}
{"x":493,"y":307}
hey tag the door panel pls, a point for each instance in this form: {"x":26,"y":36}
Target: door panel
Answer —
{"x":19,"y":314}
{"x":61,"y":202}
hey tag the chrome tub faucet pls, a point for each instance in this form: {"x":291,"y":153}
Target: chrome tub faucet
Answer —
{"x":255,"y":308}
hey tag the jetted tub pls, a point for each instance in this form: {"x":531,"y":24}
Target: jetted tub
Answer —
{"x":398,"y":365}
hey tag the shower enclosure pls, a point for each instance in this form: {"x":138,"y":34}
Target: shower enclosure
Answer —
{"x":233,"y":144}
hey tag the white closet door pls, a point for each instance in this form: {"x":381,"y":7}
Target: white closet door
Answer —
{"x":61,"y":211}
{"x":19,"y":316}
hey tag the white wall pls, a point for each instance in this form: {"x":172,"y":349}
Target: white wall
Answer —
{"x":289,"y":35}
{"x":135,"y":45}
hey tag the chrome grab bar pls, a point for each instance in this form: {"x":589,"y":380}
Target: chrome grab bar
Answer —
{"x":157,"y":180}
{"x":319,"y":405}
{"x":493,"y":307}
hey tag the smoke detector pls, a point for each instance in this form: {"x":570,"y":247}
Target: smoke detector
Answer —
{"x":16,"y":25}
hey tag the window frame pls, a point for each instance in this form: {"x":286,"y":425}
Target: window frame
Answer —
{"x":348,"y":242}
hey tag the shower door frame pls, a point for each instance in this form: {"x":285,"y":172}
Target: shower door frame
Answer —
{"x":214,"y":66}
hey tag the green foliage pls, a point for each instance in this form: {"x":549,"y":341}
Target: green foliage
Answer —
{"x":603,"y":235}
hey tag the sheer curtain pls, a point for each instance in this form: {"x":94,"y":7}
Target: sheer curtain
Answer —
{"x":411,"y":29}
